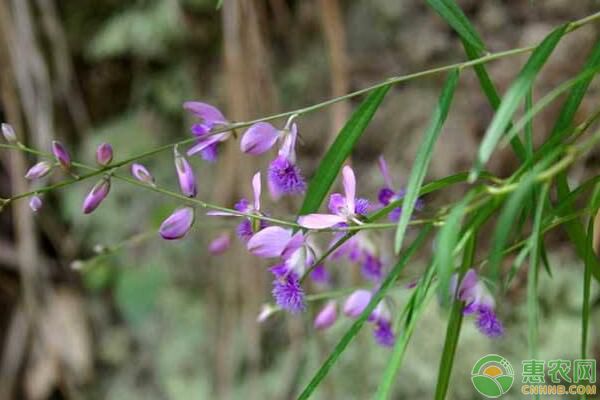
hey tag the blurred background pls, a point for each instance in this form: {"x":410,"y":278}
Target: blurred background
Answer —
{"x":99,"y":307}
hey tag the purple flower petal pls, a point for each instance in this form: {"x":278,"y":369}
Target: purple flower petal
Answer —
{"x":383,"y":333}
{"x":178,"y":224}
{"x":336,"y":203}
{"x":288,"y":293}
{"x":385,"y":172}
{"x":256,"y":187}
{"x":356,"y":303}
{"x":104,"y":154}
{"x":489,"y":324}
{"x":9,"y":133}
{"x":385,"y":195}
{"x":141,"y":173}
{"x":349,"y":187}
{"x":210,"y":115}
{"x":319,"y":274}
{"x":35,"y":203}
{"x":296,"y":241}
{"x":61,"y":154}
{"x":259,"y":138}
{"x":185,"y":175}
{"x":319,"y":221}
{"x":269,"y":242}
{"x":206,"y":143}
{"x":288,"y":148}
{"x":39,"y":170}
{"x":285,"y":178}
{"x":327,"y":316}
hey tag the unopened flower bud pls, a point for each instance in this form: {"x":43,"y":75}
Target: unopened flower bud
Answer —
{"x":35,"y":203}
{"x":9,"y":133}
{"x":327,"y":316}
{"x":141,"y":173}
{"x":357,"y":302}
{"x":104,"y":154}
{"x":96,"y":195}
{"x":61,"y":154}
{"x":220,"y":244}
{"x":185,"y":174}
{"x":39,"y":170}
{"x":178,"y":224}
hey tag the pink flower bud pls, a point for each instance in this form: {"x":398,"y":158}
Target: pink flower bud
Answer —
{"x":327,"y":316}
{"x":141,"y":173}
{"x":357,"y":302}
{"x":61,"y":154}
{"x":39,"y":170}
{"x":96,"y":195}
{"x":185,"y":174}
{"x":104,"y":154}
{"x":9,"y":133}
{"x":35,"y":203}
{"x":220,"y":244}
{"x":178,"y":224}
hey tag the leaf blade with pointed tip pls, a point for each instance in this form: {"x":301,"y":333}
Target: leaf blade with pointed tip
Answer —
{"x":454,"y":16}
{"x":423,"y":156}
{"x":338,"y":152}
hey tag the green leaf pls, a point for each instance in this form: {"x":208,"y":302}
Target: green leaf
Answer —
{"x":332,"y":162}
{"x":357,"y":325}
{"x":423,"y":156}
{"x":445,"y":245}
{"x":587,"y":275}
{"x":514,"y":96}
{"x":453,"y":329}
{"x":532,"y":278}
{"x":454,"y":16}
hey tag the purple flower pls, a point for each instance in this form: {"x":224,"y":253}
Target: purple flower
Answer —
{"x":178,"y":224}
{"x":488,"y":323}
{"x":388,"y":194}
{"x":344,"y":208}
{"x":320,"y":275}
{"x":9,"y":133}
{"x":288,"y":293}
{"x":477,"y":301}
{"x":35,"y":203}
{"x":104,"y":154}
{"x":61,"y":154}
{"x":220,"y":244}
{"x":357,"y":302}
{"x":39,"y":170}
{"x":383,"y":333}
{"x":362,"y":250}
{"x":185,"y":174}
{"x":141,"y":173}
{"x":285,"y":177}
{"x":248,"y":226}
{"x":96,"y":195}
{"x":259,"y":138}
{"x":326,"y":316}
{"x":372,"y":267}
{"x":210,"y":119}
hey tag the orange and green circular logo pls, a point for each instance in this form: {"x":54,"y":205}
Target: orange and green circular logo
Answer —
{"x":492,"y":376}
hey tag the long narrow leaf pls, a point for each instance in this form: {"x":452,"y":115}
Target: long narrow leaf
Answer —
{"x":454,"y":16}
{"x":423,"y":156}
{"x":514,"y":95}
{"x":360,"y":321}
{"x":332,"y":162}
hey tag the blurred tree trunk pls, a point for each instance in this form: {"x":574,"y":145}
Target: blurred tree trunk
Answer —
{"x":249,"y":92}
{"x":332,"y":24}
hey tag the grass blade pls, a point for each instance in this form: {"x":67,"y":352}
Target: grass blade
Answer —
{"x":357,"y":325}
{"x":514,"y":96}
{"x":332,"y":162}
{"x":453,"y":329}
{"x":423,"y":156}
{"x":454,"y":16}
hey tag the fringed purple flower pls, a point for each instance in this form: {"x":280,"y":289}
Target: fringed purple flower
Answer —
{"x":285,"y":178}
{"x":104,"y":154}
{"x":209,"y":120}
{"x":388,"y":194}
{"x":383,"y":333}
{"x":372,"y":268}
{"x":178,"y":224}
{"x":39,"y":170}
{"x":35,"y":203}
{"x":344,"y":209}
{"x":288,"y":293}
{"x":248,"y":226}
{"x":141,"y":173}
{"x":185,"y":175}
{"x":478,"y":300}
{"x":9,"y":133}
{"x":96,"y":195}
{"x":326,"y":316}
{"x":61,"y":154}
